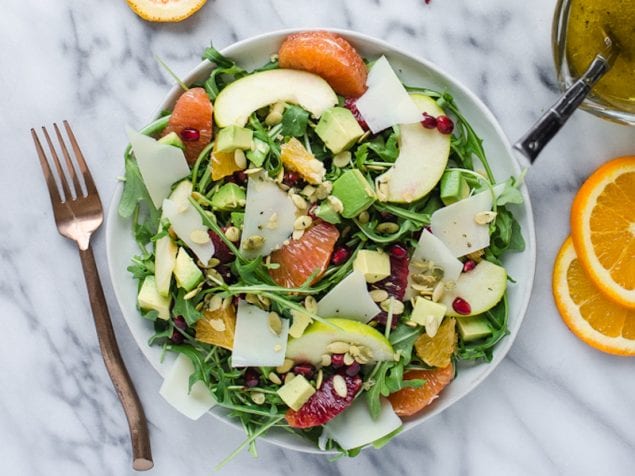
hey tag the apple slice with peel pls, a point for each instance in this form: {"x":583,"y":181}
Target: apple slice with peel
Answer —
{"x":482,"y":288}
{"x":423,"y":156}
{"x":240,"y":99}
{"x":316,"y":340}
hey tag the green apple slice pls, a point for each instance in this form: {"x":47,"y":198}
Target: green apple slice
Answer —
{"x":316,"y":340}
{"x":423,"y":156}
{"x":240,"y":99}
{"x":482,"y":288}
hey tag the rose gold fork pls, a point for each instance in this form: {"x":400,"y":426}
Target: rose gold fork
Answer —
{"x":78,"y":215}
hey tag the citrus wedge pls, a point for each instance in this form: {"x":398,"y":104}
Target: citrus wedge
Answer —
{"x":592,"y":317}
{"x":409,"y":401}
{"x":165,"y":10}
{"x":603,"y":229}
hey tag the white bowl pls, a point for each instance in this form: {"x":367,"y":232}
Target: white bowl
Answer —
{"x":414,"y":71}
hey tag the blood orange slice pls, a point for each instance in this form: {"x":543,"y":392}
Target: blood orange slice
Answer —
{"x":192,"y":120}
{"x":302,"y":257}
{"x":328,"y":55}
{"x":409,"y":401}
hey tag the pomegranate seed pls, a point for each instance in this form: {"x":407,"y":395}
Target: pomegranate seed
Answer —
{"x":340,"y":255}
{"x":252,"y":379}
{"x":398,"y":251}
{"x":177,"y":337}
{"x":291,"y":179}
{"x":239,"y":178}
{"x":353,"y":369}
{"x":469,"y":265}
{"x":306,"y":370}
{"x":461,"y":306}
{"x":445,"y":125}
{"x":387,"y":216}
{"x":429,"y":122}
{"x":190,"y":134}
{"x":350,"y":104}
{"x":180,"y":323}
{"x":337,"y":360}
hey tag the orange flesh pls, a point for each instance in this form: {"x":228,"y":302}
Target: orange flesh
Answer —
{"x":408,"y":401}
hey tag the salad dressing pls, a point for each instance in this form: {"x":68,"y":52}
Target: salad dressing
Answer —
{"x":589,"y":21}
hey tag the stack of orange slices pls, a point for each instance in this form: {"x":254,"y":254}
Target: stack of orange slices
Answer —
{"x":594,"y":272}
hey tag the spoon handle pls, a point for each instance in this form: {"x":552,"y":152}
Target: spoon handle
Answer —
{"x":550,"y":123}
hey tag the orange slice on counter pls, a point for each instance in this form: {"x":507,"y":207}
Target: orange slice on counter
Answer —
{"x":592,"y":317}
{"x":165,"y":10}
{"x":603,"y":229}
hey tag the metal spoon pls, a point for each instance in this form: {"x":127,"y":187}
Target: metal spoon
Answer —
{"x":539,"y":135}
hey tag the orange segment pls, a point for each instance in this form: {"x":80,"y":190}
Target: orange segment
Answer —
{"x":603,"y":229}
{"x":328,"y":55}
{"x":301,"y":258}
{"x":193,"y":110}
{"x":409,"y":401}
{"x":592,"y":317}
{"x":165,"y":10}
{"x":217,"y":327}
{"x":437,"y":351}
{"x":295,"y":157}
{"x":223,"y":164}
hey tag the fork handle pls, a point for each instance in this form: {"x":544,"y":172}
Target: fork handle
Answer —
{"x":141,"y":453}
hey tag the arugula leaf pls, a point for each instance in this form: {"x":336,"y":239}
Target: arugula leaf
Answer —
{"x":186,"y":309}
{"x":484,"y":348}
{"x":294,"y":121}
{"x":506,"y":234}
{"x":134,"y":189}
{"x":216,"y":57}
{"x":511,"y":192}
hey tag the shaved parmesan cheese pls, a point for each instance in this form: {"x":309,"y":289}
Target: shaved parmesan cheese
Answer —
{"x":349,"y":299}
{"x":456,"y":227}
{"x":186,"y":223}
{"x":255,"y":343}
{"x":431,"y":248}
{"x":160,"y":165}
{"x":355,"y":427}
{"x":269,"y":213}
{"x":193,"y":404}
{"x":386,"y":102}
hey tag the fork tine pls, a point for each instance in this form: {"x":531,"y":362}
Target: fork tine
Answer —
{"x":88,"y":179}
{"x":58,"y":167}
{"x":69,"y":163}
{"x":46,"y":169}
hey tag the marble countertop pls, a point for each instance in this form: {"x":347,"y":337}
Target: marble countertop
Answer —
{"x":554,"y":406}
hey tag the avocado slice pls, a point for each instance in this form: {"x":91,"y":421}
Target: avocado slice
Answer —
{"x":338,"y":129}
{"x":258,"y":152}
{"x":228,"y":197}
{"x":233,"y":137}
{"x":454,"y":187}
{"x":473,"y":328}
{"x":355,"y":193}
{"x":326,"y":212}
{"x":172,"y":139}
{"x":187,"y":274}
{"x":149,"y":298}
{"x":374,"y":265}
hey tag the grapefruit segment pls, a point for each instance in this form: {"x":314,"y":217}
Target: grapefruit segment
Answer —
{"x":328,"y":55}
{"x":165,"y":10}
{"x":193,"y":114}
{"x":408,"y":401}
{"x":300,"y":258}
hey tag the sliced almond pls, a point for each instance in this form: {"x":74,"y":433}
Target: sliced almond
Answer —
{"x":218,"y":325}
{"x":285,"y":367}
{"x":275,"y":323}
{"x":199,"y":237}
{"x":273,"y":378}
{"x":339,"y":385}
{"x":483,"y":218}
{"x":338,"y":347}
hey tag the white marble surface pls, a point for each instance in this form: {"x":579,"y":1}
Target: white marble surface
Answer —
{"x":554,"y":406}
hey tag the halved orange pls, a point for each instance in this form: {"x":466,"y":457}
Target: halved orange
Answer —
{"x":603,"y":229}
{"x":165,"y":10}
{"x":592,"y":317}
{"x":409,"y":401}
{"x":191,"y":119}
{"x":328,"y":55}
{"x":300,"y":258}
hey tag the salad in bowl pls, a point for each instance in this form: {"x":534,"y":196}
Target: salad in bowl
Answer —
{"x":320,"y":244}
